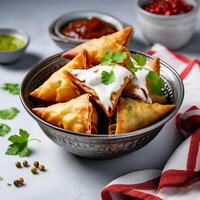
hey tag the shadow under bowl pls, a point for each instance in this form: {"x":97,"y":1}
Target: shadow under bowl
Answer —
{"x":99,"y":146}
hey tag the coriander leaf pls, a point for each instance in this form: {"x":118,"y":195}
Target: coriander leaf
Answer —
{"x":21,"y":138}
{"x":12,"y":88}
{"x":13,"y":149}
{"x":111,"y":58}
{"x":19,"y":144}
{"x":4,"y":129}
{"x":108,"y":77}
{"x":136,"y":62}
{"x":131,"y":67}
{"x":139,"y":59}
{"x":156,"y":83}
{"x":107,"y":59}
{"x":8,"y":113}
{"x":24,"y":151}
{"x":119,"y":56}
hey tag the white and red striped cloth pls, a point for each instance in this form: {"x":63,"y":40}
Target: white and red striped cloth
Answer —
{"x":180,"y":178}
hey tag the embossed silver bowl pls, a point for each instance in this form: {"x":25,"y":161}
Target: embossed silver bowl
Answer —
{"x":99,"y":146}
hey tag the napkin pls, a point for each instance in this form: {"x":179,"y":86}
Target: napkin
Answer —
{"x":180,"y":178}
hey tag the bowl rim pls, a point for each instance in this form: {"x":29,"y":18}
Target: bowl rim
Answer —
{"x":171,"y":17}
{"x":19,"y":32}
{"x":136,"y":133}
{"x":54,"y":25}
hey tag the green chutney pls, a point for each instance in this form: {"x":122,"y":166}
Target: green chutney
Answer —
{"x":10,"y":43}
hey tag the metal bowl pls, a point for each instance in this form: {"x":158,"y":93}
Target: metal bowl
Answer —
{"x":99,"y":146}
{"x":67,"y":42}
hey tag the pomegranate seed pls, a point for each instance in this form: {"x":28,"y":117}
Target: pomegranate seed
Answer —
{"x":168,"y":7}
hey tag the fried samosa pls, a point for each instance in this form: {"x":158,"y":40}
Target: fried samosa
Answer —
{"x":134,"y":114}
{"x":105,"y":92}
{"x":78,"y":115}
{"x":58,"y":88}
{"x":98,"y":47}
{"x":139,"y":86}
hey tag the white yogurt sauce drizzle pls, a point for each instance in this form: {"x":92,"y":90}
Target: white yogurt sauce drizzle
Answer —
{"x":141,"y":83}
{"x":92,"y":79}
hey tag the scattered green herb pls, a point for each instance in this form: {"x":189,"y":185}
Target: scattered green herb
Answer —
{"x":1,"y":178}
{"x":8,"y":113}
{"x":4,"y":129}
{"x":19,"y":144}
{"x":136,"y":62}
{"x":59,"y":83}
{"x":111,"y":58}
{"x":108,"y":77}
{"x":12,"y":88}
{"x":156,"y":83}
{"x":139,"y":59}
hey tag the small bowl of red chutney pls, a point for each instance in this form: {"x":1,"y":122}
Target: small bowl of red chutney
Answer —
{"x":168,"y":22}
{"x":75,"y":28}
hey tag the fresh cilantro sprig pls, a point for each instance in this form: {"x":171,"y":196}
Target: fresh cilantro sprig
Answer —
{"x":8,"y":113}
{"x":108,"y":77}
{"x":156,"y":83}
{"x":137,"y":62}
{"x":19,"y":144}
{"x":4,"y":129}
{"x":12,"y":88}
{"x":111,"y":58}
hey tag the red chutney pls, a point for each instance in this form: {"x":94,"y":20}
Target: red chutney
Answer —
{"x":87,"y":28}
{"x":168,"y":7}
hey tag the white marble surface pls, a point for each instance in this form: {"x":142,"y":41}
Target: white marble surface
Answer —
{"x":68,"y":177}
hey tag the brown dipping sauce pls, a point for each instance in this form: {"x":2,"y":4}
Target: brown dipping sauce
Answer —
{"x":87,"y":28}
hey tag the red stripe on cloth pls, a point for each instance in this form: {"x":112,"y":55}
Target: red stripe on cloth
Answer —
{"x":188,"y":69}
{"x":193,"y":150}
{"x":177,"y":178}
{"x":190,"y":124}
{"x":192,"y":108}
{"x":131,"y":189}
{"x":150,"y":52}
{"x":179,"y":56}
{"x":142,"y":195}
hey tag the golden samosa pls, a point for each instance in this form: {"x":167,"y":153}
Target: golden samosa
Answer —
{"x":98,"y":47}
{"x":58,"y":88}
{"x":78,"y":115}
{"x":105,"y":92}
{"x":134,"y":114}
